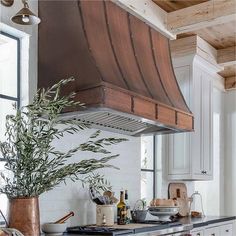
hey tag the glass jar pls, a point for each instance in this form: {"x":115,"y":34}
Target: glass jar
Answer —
{"x":196,"y":205}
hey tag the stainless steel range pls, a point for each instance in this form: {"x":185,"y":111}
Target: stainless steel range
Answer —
{"x":147,"y":228}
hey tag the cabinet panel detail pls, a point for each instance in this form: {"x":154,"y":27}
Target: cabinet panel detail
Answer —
{"x":190,"y":154}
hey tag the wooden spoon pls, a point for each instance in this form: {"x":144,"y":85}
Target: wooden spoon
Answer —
{"x":64,"y":218}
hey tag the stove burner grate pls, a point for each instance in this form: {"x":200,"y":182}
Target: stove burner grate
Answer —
{"x":94,"y":230}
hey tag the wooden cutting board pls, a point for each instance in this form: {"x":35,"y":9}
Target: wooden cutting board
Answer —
{"x":179,"y":192}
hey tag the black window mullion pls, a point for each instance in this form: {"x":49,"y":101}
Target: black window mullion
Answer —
{"x":9,"y":97}
{"x":147,"y":170}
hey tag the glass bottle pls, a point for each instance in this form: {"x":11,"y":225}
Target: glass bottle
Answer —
{"x":121,"y":210}
{"x":128,"y":219}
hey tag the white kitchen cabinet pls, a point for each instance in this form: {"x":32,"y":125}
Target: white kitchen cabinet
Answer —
{"x":189,"y":155}
{"x":226,"y":230}
{"x":214,"y":231}
{"x":218,"y":229}
{"x":197,"y":233}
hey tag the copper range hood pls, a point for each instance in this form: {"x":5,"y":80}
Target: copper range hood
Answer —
{"x":122,"y":67}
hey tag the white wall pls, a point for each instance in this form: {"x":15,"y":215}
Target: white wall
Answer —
{"x":230,"y":152}
{"x":73,"y":197}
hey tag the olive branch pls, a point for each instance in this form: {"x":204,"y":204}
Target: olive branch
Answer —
{"x":33,"y":164}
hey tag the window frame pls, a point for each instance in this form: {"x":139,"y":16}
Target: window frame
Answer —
{"x":18,"y":96}
{"x":154,"y":170}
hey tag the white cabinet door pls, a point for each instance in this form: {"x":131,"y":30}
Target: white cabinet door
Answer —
{"x":197,"y":233}
{"x":190,"y":154}
{"x":197,"y":135}
{"x":207,"y":124}
{"x":214,"y":231}
{"x":219,"y":229}
{"x":179,"y":144}
{"x":226,"y":230}
{"x":179,"y":153}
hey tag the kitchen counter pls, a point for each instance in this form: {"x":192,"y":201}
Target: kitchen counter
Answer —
{"x":200,"y":222}
{"x":187,"y":222}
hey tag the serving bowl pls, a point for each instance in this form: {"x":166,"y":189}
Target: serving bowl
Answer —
{"x":163,"y":212}
{"x":54,"y":229}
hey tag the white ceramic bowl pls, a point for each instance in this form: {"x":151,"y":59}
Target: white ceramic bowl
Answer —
{"x":163,"y":211}
{"x":54,"y":229}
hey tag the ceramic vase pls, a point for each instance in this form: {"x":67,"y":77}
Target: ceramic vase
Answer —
{"x":105,"y":215}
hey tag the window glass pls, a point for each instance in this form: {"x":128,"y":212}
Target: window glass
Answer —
{"x":3,"y":197}
{"x":159,"y":166}
{"x":147,"y":179}
{"x":8,"y":65}
{"x":9,"y":92}
{"x":147,"y":168}
{"x":6,"y":107}
{"x":147,"y":152}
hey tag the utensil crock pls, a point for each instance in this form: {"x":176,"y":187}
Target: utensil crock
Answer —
{"x":105,"y":215}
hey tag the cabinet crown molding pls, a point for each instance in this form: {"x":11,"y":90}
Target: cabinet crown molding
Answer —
{"x":194,"y":46}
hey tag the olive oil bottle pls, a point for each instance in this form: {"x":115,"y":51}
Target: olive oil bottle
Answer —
{"x":122,"y":210}
{"x":128,"y":218}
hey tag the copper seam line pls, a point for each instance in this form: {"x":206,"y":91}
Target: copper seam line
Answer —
{"x":86,"y":37}
{"x":112,"y":46}
{"x":163,"y":87}
{"x":134,"y":52}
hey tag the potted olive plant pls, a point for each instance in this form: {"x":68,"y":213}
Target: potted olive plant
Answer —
{"x":34,"y":166}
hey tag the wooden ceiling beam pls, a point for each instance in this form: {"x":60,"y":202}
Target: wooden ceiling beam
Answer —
{"x":149,"y":12}
{"x":226,"y":56}
{"x":202,"y":15}
{"x":230,"y":83}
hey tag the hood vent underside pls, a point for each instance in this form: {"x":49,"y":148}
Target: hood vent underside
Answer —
{"x":122,"y":67}
{"x":123,"y":123}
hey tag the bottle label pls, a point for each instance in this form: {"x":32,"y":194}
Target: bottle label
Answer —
{"x":128,"y":217}
{"x":121,"y":216}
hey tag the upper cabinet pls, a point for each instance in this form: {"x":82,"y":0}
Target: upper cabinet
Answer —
{"x":189,"y":155}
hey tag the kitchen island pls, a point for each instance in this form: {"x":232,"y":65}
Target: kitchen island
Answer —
{"x":184,"y":225}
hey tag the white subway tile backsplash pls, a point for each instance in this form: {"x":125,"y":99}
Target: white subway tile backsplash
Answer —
{"x":73,"y":197}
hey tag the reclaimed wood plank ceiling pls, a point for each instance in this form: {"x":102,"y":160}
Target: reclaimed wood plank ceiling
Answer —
{"x":173,"y":5}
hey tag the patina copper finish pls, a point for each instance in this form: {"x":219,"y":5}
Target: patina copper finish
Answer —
{"x":24,"y":215}
{"x":119,"y":62}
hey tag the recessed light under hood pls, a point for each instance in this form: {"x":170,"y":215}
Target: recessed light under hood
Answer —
{"x":123,"y":67}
